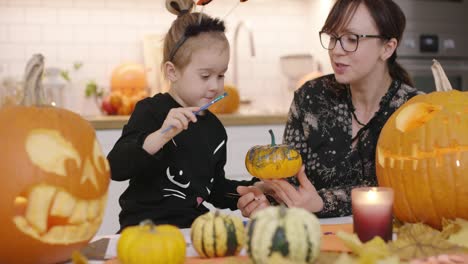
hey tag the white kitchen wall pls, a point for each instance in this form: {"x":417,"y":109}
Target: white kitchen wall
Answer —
{"x":105,"y":33}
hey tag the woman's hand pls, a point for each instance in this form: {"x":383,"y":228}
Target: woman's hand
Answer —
{"x":305,"y":196}
{"x":252,"y":199}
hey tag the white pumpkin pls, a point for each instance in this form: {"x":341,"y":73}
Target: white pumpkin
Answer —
{"x":293,"y":233}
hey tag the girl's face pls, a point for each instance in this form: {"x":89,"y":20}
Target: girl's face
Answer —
{"x":352,"y":67}
{"x":202,"y":80}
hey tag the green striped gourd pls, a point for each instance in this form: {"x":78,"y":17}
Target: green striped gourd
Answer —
{"x":294,"y":233}
{"x":217,"y":235}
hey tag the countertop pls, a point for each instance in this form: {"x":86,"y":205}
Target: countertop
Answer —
{"x":240,"y":119}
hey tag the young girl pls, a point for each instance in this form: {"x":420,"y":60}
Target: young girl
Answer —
{"x":173,"y":158}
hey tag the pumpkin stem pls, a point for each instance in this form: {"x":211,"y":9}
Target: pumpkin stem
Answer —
{"x":33,"y":93}
{"x":216,"y":213}
{"x":282,"y":211}
{"x":272,"y":137}
{"x":441,"y":81}
{"x":149,"y":223}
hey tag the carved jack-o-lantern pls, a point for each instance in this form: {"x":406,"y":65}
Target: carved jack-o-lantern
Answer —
{"x":54,"y":184}
{"x":422,"y":153}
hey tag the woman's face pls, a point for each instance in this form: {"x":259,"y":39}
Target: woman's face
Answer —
{"x":352,"y":67}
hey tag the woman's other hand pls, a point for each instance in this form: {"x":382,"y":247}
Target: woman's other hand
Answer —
{"x":252,"y":199}
{"x":305,"y":196}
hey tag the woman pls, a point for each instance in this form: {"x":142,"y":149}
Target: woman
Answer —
{"x":335,"y":121}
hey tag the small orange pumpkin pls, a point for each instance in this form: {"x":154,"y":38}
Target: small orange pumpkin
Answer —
{"x":54,"y":179}
{"x":229,"y":104}
{"x":422,"y":153}
{"x":273,"y":161}
{"x":129,"y":79}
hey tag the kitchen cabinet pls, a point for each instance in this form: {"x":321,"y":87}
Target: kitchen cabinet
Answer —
{"x":240,"y":139}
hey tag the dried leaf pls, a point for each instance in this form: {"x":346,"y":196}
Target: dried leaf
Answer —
{"x":373,"y":248}
{"x":348,"y":259}
{"x":420,"y":241}
{"x":456,"y":231}
{"x":345,"y":259}
{"x":78,"y":258}
{"x":370,"y":252}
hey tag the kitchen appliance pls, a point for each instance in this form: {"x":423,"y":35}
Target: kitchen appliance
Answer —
{"x":435,"y":30}
{"x":295,"y":66}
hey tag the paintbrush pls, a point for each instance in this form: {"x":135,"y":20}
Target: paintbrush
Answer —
{"x":203,"y":108}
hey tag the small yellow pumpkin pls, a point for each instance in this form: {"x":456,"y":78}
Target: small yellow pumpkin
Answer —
{"x":283,"y":234}
{"x":273,"y":161}
{"x":217,"y":235}
{"x":147,"y":243}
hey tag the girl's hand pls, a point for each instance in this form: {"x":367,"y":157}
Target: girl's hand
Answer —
{"x":305,"y":196}
{"x":252,"y":199}
{"x":177,"y":120}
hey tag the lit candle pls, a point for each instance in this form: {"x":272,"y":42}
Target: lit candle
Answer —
{"x":372,"y":212}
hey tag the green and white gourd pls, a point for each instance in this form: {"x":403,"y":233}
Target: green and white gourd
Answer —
{"x":217,"y":235}
{"x":294,"y":233}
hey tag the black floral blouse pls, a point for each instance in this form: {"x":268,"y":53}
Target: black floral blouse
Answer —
{"x":319,"y":127}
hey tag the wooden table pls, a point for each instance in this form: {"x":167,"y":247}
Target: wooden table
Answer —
{"x":331,"y":245}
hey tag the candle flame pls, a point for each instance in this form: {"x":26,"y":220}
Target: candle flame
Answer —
{"x":371,"y":195}
{"x":458,"y":163}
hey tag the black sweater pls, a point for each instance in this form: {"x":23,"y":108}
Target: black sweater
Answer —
{"x":169,"y":186}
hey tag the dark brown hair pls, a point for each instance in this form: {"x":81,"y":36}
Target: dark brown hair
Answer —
{"x":388,"y":17}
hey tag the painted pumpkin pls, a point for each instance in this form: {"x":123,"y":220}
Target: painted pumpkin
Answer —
{"x":129,"y":79}
{"x":291,"y":233}
{"x":273,"y":161}
{"x":148,"y":243}
{"x":422,"y":153}
{"x":229,"y":104}
{"x":217,"y":235}
{"x":54,"y":179}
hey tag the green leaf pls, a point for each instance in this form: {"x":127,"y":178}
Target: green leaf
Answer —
{"x":77,"y":65}
{"x":65,"y":75}
{"x":91,"y":89}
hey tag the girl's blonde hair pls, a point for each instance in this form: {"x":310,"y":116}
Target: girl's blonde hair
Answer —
{"x":180,"y":41}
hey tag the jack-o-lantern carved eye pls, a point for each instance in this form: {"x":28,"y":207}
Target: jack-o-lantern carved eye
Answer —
{"x":49,"y":150}
{"x":99,"y":160}
{"x":415,"y":115}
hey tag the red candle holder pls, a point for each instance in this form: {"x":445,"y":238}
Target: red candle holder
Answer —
{"x":372,"y":212}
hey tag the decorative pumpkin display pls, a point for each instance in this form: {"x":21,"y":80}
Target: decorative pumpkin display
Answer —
{"x":148,"y":243}
{"x":217,"y":235}
{"x":293,"y":233}
{"x":229,"y":104}
{"x":273,"y":161}
{"x":129,"y":79}
{"x":54,"y":178}
{"x":422,"y":153}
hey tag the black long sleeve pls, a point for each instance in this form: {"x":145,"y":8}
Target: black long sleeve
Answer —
{"x":171,"y":185}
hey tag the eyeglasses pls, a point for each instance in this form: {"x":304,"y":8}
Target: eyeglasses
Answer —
{"x":349,"y":42}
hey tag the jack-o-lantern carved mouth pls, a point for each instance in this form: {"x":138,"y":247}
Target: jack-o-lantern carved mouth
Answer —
{"x":54,"y":216}
{"x":417,"y":155}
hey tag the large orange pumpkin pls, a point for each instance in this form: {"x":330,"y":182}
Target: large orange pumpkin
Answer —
{"x":229,"y":104}
{"x":54,"y":181}
{"x":422,"y":153}
{"x":129,"y":79}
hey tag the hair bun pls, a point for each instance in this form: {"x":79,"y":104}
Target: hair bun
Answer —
{"x":179,"y":7}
